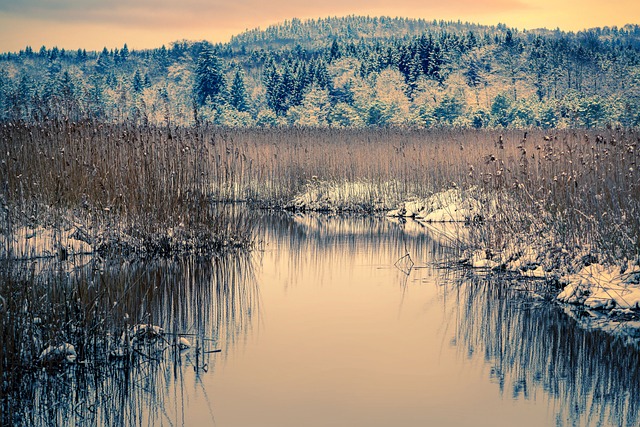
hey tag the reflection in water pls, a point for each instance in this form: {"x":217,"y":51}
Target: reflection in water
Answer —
{"x":340,"y":343}
{"x":95,"y":307}
{"x":590,"y":378}
{"x":534,"y":351}
{"x":316,"y":240}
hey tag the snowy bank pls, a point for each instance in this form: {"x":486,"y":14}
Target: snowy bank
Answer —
{"x":64,"y":242}
{"x":342,"y":196}
{"x":605,"y":288}
{"x":453,"y":205}
{"x":597,"y":296}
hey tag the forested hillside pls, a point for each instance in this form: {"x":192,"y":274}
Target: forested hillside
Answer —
{"x":342,"y":72}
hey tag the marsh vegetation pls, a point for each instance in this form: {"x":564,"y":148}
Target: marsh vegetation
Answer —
{"x":106,"y":314}
{"x":164,"y":187}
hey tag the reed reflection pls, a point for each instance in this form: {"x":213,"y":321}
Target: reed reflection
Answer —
{"x":124,"y":373}
{"x":589,"y":377}
{"x":340,"y":240}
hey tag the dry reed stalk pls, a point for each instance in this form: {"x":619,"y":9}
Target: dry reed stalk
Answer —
{"x":580,"y":186}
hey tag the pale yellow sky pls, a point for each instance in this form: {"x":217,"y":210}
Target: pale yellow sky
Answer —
{"x":93,"y":24}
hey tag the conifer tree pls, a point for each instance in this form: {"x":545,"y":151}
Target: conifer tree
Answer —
{"x":210,"y":84}
{"x":238,"y":96}
{"x":124,"y":53}
{"x":138,"y":84}
{"x":103,"y":62}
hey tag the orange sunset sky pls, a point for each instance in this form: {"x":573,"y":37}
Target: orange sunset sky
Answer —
{"x":93,"y":24}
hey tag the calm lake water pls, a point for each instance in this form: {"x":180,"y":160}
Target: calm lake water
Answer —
{"x":321,"y":327}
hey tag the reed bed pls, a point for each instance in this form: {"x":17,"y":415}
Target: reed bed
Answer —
{"x":152,"y":185}
{"x":573,"y":188}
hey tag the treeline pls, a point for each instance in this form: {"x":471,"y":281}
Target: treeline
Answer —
{"x":342,"y":72}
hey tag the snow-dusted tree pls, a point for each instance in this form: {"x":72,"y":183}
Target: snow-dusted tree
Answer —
{"x":449,"y":109}
{"x":137,"y":84}
{"x":313,"y":111}
{"x":124,"y":53}
{"x":103,"y":63}
{"x":511,"y":60}
{"x":475,"y":73}
{"x":238,"y":95}
{"x":5,"y":90}
{"x":548,"y":115}
{"x":593,"y":112}
{"x":345,"y":115}
{"x":267,"y":118}
{"x":391,"y":105}
{"x":500,"y":108}
{"x":67,"y":96}
{"x":342,"y":74}
{"x":523,"y":113}
{"x":210,"y":83}
{"x":229,"y":116}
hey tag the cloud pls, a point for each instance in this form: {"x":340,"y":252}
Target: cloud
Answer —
{"x":238,"y":13}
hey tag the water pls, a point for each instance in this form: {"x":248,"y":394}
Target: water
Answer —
{"x":321,"y":328}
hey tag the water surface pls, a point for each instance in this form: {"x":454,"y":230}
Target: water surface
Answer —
{"x":345,"y":337}
{"x":323,"y":327}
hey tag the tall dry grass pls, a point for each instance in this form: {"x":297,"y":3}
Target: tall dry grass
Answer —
{"x":579,"y":188}
{"x":571,"y":188}
{"x":153,"y":184}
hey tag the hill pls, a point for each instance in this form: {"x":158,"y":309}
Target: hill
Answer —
{"x":342,"y":72}
{"x":314,"y":33}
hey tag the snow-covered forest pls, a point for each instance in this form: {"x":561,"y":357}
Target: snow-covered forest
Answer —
{"x":341,"y":72}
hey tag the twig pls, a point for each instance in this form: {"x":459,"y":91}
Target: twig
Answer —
{"x":405,"y":260}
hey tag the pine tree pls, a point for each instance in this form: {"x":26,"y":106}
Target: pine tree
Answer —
{"x":138,"y":84}
{"x":334,"y":52}
{"x":271,"y":79}
{"x":124,"y":53}
{"x":162,"y":57}
{"x":238,"y":96}
{"x":103,"y":63}
{"x":4,"y":92}
{"x":210,"y":84}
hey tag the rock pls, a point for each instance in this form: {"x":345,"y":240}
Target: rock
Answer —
{"x":146,"y":332}
{"x":64,"y":353}
{"x":182,"y":343}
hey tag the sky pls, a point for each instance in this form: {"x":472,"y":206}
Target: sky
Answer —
{"x":94,"y":24}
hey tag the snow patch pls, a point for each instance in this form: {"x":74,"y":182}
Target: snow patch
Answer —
{"x":146,"y":332}
{"x":332,"y":196}
{"x":481,"y":259}
{"x":64,"y":353}
{"x":602,"y":287}
{"x":452,"y":205}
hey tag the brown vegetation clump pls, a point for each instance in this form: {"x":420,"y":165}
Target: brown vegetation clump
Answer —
{"x":125,"y":187}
